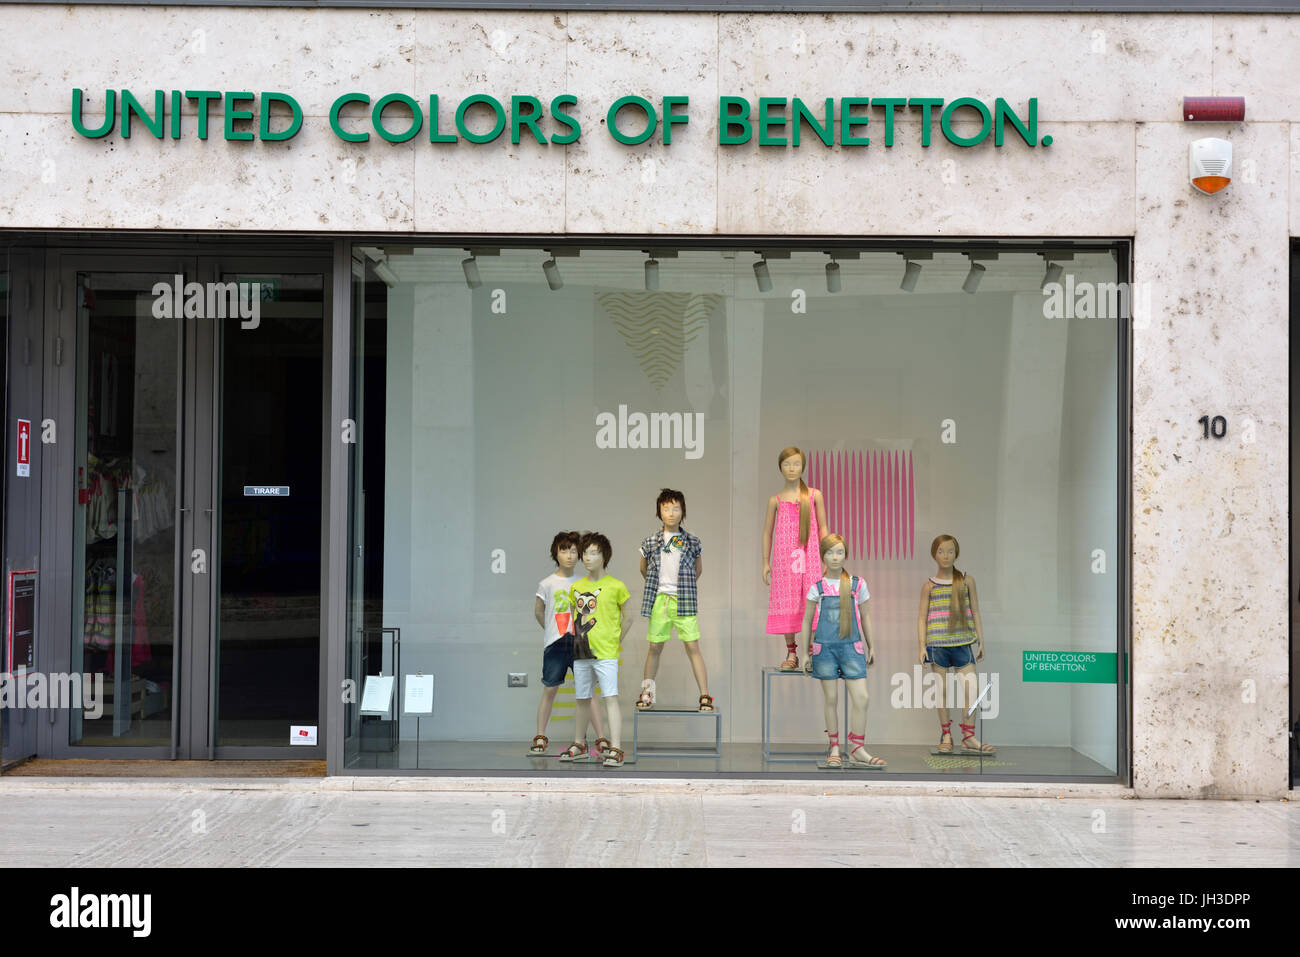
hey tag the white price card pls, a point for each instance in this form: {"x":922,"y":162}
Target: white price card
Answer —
{"x":419,"y":694}
{"x":377,"y":695}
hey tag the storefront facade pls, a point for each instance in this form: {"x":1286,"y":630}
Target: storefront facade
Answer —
{"x":518,"y":271}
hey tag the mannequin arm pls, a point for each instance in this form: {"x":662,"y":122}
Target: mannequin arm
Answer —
{"x":975,"y":610}
{"x":866,"y":631}
{"x":920,"y":616}
{"x":821,"y":512}
{"x":539,"y":609}
{"x":699,"y":566}
{"x":767,"y":532}
{"x":809,"y":608}
{"x":626,"y":620}
{"x":643,"y":566}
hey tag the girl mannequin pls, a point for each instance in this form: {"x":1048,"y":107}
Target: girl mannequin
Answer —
{"x":839,"y":645}
{"x":796,"y":516}
{"x":947,"y":626}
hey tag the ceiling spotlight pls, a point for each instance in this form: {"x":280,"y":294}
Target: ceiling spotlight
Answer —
{"x":552,"y":271}
{"x":651,"y":274}
{"x":385,"y":272}
{"x":973,"y":277}
{"x":832,"y":276}
{"x":1053,"y":274}
{"x":911,"y":274}
{"x":762,"y":275}
{"x":470,"y":268}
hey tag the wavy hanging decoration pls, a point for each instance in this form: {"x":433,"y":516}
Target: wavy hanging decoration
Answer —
{"x":658,"y":326}
{"x":870,"y":500}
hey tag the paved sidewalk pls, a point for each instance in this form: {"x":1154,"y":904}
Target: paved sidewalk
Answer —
{"x":57,"y":822}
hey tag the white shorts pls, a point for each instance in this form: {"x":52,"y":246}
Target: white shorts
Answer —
{"x":588,"y":672}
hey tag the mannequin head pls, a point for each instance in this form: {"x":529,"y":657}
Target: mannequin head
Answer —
{"x":944,"y":550}
{"x":791,"y":461}
{"x":564,"y":551}
{"x":670,"y":507}
{"x":596,"y":552}
{"x":834,"y":550}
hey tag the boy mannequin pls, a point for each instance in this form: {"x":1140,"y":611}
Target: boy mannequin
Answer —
{"x":671,"y":566}
{"x":554,"y":612}
{"x":599,"y":628}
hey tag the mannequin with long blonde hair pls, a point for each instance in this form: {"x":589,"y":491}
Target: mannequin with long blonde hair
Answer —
{"x":796,"y":520}
{"x":837,"y":623}
{"x":951,"y":638}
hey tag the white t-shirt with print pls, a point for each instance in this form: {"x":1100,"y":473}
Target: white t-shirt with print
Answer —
{"x":558,"y":616}
{"x":670,"y":563}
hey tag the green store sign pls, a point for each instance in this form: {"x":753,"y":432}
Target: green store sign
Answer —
{"x":397,"y":118}
{"x":1082,"y":667}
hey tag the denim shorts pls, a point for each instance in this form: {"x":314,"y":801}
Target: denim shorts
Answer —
{"x":839,"y":659}
{"x":950,"y":657}
{"x":556,"y":660}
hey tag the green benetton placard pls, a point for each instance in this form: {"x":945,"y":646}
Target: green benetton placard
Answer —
{"x":1084,"y":667}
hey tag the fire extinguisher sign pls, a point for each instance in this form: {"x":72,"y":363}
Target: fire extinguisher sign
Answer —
{"x":24,"y":448}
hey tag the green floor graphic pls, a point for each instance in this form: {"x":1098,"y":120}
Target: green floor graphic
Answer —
{"x":949,"y":764}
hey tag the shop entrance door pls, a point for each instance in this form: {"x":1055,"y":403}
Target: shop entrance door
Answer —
{"x":187,"y":502}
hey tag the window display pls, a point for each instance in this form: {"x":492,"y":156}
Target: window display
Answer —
{"x":560,"y":392}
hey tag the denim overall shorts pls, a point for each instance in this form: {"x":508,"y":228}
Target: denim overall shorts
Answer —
{"x":832,"y":656}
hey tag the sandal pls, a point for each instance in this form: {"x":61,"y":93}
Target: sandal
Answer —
{"x":646,"y":700}
{"x":833,"y":760}
{"x":968,"y":733}
{"x":857,"y":741}
{"x":946,"y":732}
{"x":791,"y":662}
{"x":614,"y":757}
{"x":706,"y":703}
{"x":575,"y":752}
{"x":602,"y":745}
{"x":538,"y":748}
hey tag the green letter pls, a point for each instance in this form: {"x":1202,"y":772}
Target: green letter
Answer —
{"x":377,"y":117}
{"x":801,"y":115}
{"x":889,"y":104}
{"x":651,"y":120}
{"x":176,"y":114}
{"x":295,"y":124}
{"x":670,"y":117}
{"x":338,"y":104}
{"x":131,"y":105}
{"x":434,"y":135}
{"x":848,"y":121}
{"x":726,"y":120}
{"x":233,"y":114}
{"x":765,"y":120}
{"x":565,"y":99}
{"x":528,"y":119}
{"x":497,"y":108}
{"x":110,"y":114}
{"x":925,"y":102}
{"x":945,"y":122}
{"x":1003,"y":112}
{"x":201,"y":98}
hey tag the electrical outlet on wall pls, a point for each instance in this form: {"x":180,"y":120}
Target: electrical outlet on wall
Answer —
{"x":515,"y":679}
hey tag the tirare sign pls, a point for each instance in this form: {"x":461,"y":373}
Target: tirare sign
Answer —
{"x":850,"y":121}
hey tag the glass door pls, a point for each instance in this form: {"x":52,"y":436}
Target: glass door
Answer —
{"x":195,"y":388}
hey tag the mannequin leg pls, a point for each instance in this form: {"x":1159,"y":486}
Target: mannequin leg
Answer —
{"x":544,"y":708}
{"x":941,"y":676}
{"x":597,"y":720}
{"x":831,"y":709}
{"x":858,"y":698}
{"x":615,"y":721}
{"x":652,"y":659}
{"x":791,"y":648}
{"x":697,"y":665}
{"x":970,"y":691}
{"x":580,"y":720}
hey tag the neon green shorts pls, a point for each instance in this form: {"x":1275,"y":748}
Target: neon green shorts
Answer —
{"x":663,"y":616}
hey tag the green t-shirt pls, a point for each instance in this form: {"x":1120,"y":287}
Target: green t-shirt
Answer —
{"x":597,"y":612}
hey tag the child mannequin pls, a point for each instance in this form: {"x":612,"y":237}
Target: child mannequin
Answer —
{"x":671,"y":566}
{"x":601,"y":625}
{"x":836,"y":649}
{"x":947,"y":625}
{"x":554,"y":613}
{"x":796,"y":516}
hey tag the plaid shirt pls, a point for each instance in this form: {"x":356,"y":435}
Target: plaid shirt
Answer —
{"x":687,"y":597}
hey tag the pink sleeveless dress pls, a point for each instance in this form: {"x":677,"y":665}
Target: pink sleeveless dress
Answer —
{"x":795,"y":568}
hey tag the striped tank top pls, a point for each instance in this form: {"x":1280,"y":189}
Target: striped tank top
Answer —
{"x":936,"y":618}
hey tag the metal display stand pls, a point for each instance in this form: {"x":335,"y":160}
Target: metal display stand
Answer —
{"x":789,"y":757}
{"x":381,"y":733}
{"x":677,"y":713}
